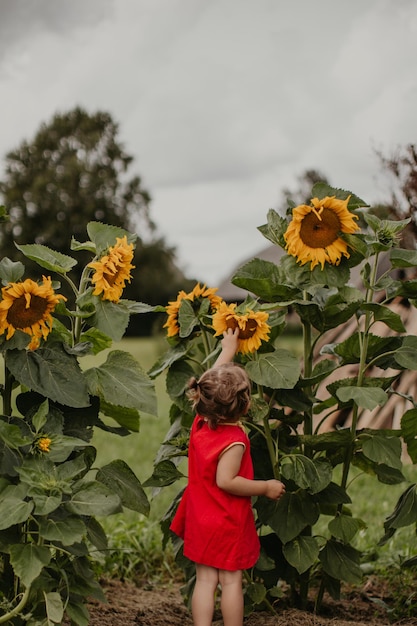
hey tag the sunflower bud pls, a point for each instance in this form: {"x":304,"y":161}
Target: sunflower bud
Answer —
{"x":44,"y":444}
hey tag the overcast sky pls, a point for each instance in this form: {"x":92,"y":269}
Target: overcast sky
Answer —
{"x":222,"y":103}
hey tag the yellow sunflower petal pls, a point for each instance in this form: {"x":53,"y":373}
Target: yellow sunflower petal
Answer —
{"x":195,"y":296}
{"x":113,"y":270}
{"x":313,"y":235}
{"x":27,"y":306}
{"x":252,"y":325}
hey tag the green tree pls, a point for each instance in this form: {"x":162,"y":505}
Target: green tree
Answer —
{"x":74,"y":171}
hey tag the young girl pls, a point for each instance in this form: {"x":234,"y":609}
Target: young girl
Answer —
{"x":215,"y":517}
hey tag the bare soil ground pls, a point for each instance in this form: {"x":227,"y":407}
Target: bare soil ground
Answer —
{"x":164,"y":606}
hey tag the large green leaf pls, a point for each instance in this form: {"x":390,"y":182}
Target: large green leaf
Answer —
{"x":93,"y":498}
{"x":328,"y":441}
{"x":66,"y":531}
{"x":406,"y":354}
{"x":165,"y":473}
{"x":127,"y":418}
{"x":62,"y":446}
{"x":187,"y":318}
{"x":11,"y":271}
{"x":256,"y":592}
{"x":121,"y":381}
{"x":302,"y":552}
{"x":177,"y":378}
{"x":51,"y":372}
{"x":385,"y":450}
{"x":313,"y":475}
{"x":111,"y":318}
{"x":290,"y":515}
{"x":96,"y":534}
{"x":265,"y":280}
{"x":327,"y":317}
{"x":279,"y":369}
{"x":333,"y":494}
{"x":384,"y":473}
{"x":104,"y":235}
{"x":341,"y":561}
{"x":14,"y":511}
{"x":49,"y":259}
{"x":118,"y":476}
{"x":97,"y":340}
{"x":350,"y":349}
{"x":45,"y":503}
{"x":400,"y":257}
{"x":39,"y":419}
{"x":321,"y":190}
{"x":275,"y":228}
{"x":366,"y":397}
{"x":28,"y":560}
{"x":384,"y":314}
{"x":12,"y":435}
{"x":345,"y":527}
{"x":405,"y":512}
{"x":409,"y":432}
{"x":78,"y":613}
{"x":168,"y":358}
{"x":54,"y":607}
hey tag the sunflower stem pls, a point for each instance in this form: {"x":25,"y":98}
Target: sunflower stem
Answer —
{"x":270,"y":444}
{"x":206,"y":343}
{"x":77,"y":326}
{"x":308,"y":368}
{"x":18,"y":608}
{"x":7,"y":390}
{"x":364,"y":343}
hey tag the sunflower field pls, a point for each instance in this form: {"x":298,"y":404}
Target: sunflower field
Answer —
{"x":305,"y":421}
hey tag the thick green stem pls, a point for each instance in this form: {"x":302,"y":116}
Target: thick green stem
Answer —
{"x":78,"y":320}
{"x":270,"y":444}
{"x":308,"y":368}
{"x":364,"y":343}
{"x":17,"y":609}
{"x":205,"y":342}
{"x":7,"y":390}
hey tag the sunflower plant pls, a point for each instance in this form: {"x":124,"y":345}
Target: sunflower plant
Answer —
{"x":325,"y":245}
{"x":52,"y":495}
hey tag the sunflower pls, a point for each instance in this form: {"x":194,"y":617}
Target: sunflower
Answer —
{"x":253,"y":327}
{"x":313,"y":235}
{"x":195,"y":296}
{"x":27,"y":306}
{"x":113,"y":270}
{"x":44,"y":444}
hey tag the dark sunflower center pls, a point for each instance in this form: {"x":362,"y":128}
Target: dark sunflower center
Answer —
{"x":110,"y":277}
{"x":244,"y":333}
{"x":21,"y":317}
{"x":317,"y":233}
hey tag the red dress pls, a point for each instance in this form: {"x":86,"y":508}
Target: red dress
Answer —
{"x":218,"y":528}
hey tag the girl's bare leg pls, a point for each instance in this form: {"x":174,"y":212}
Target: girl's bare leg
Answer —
{"x":232,"y":597}
{"x":202,"y":602}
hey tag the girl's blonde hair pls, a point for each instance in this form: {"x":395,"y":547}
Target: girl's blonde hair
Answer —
{"x":221,"y":394}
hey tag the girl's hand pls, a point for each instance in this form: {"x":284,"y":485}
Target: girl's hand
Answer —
{"x":230,"y":343}
{"x":274,"y":489}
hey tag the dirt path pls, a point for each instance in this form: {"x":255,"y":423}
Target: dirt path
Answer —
{"x":163,"y":606}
